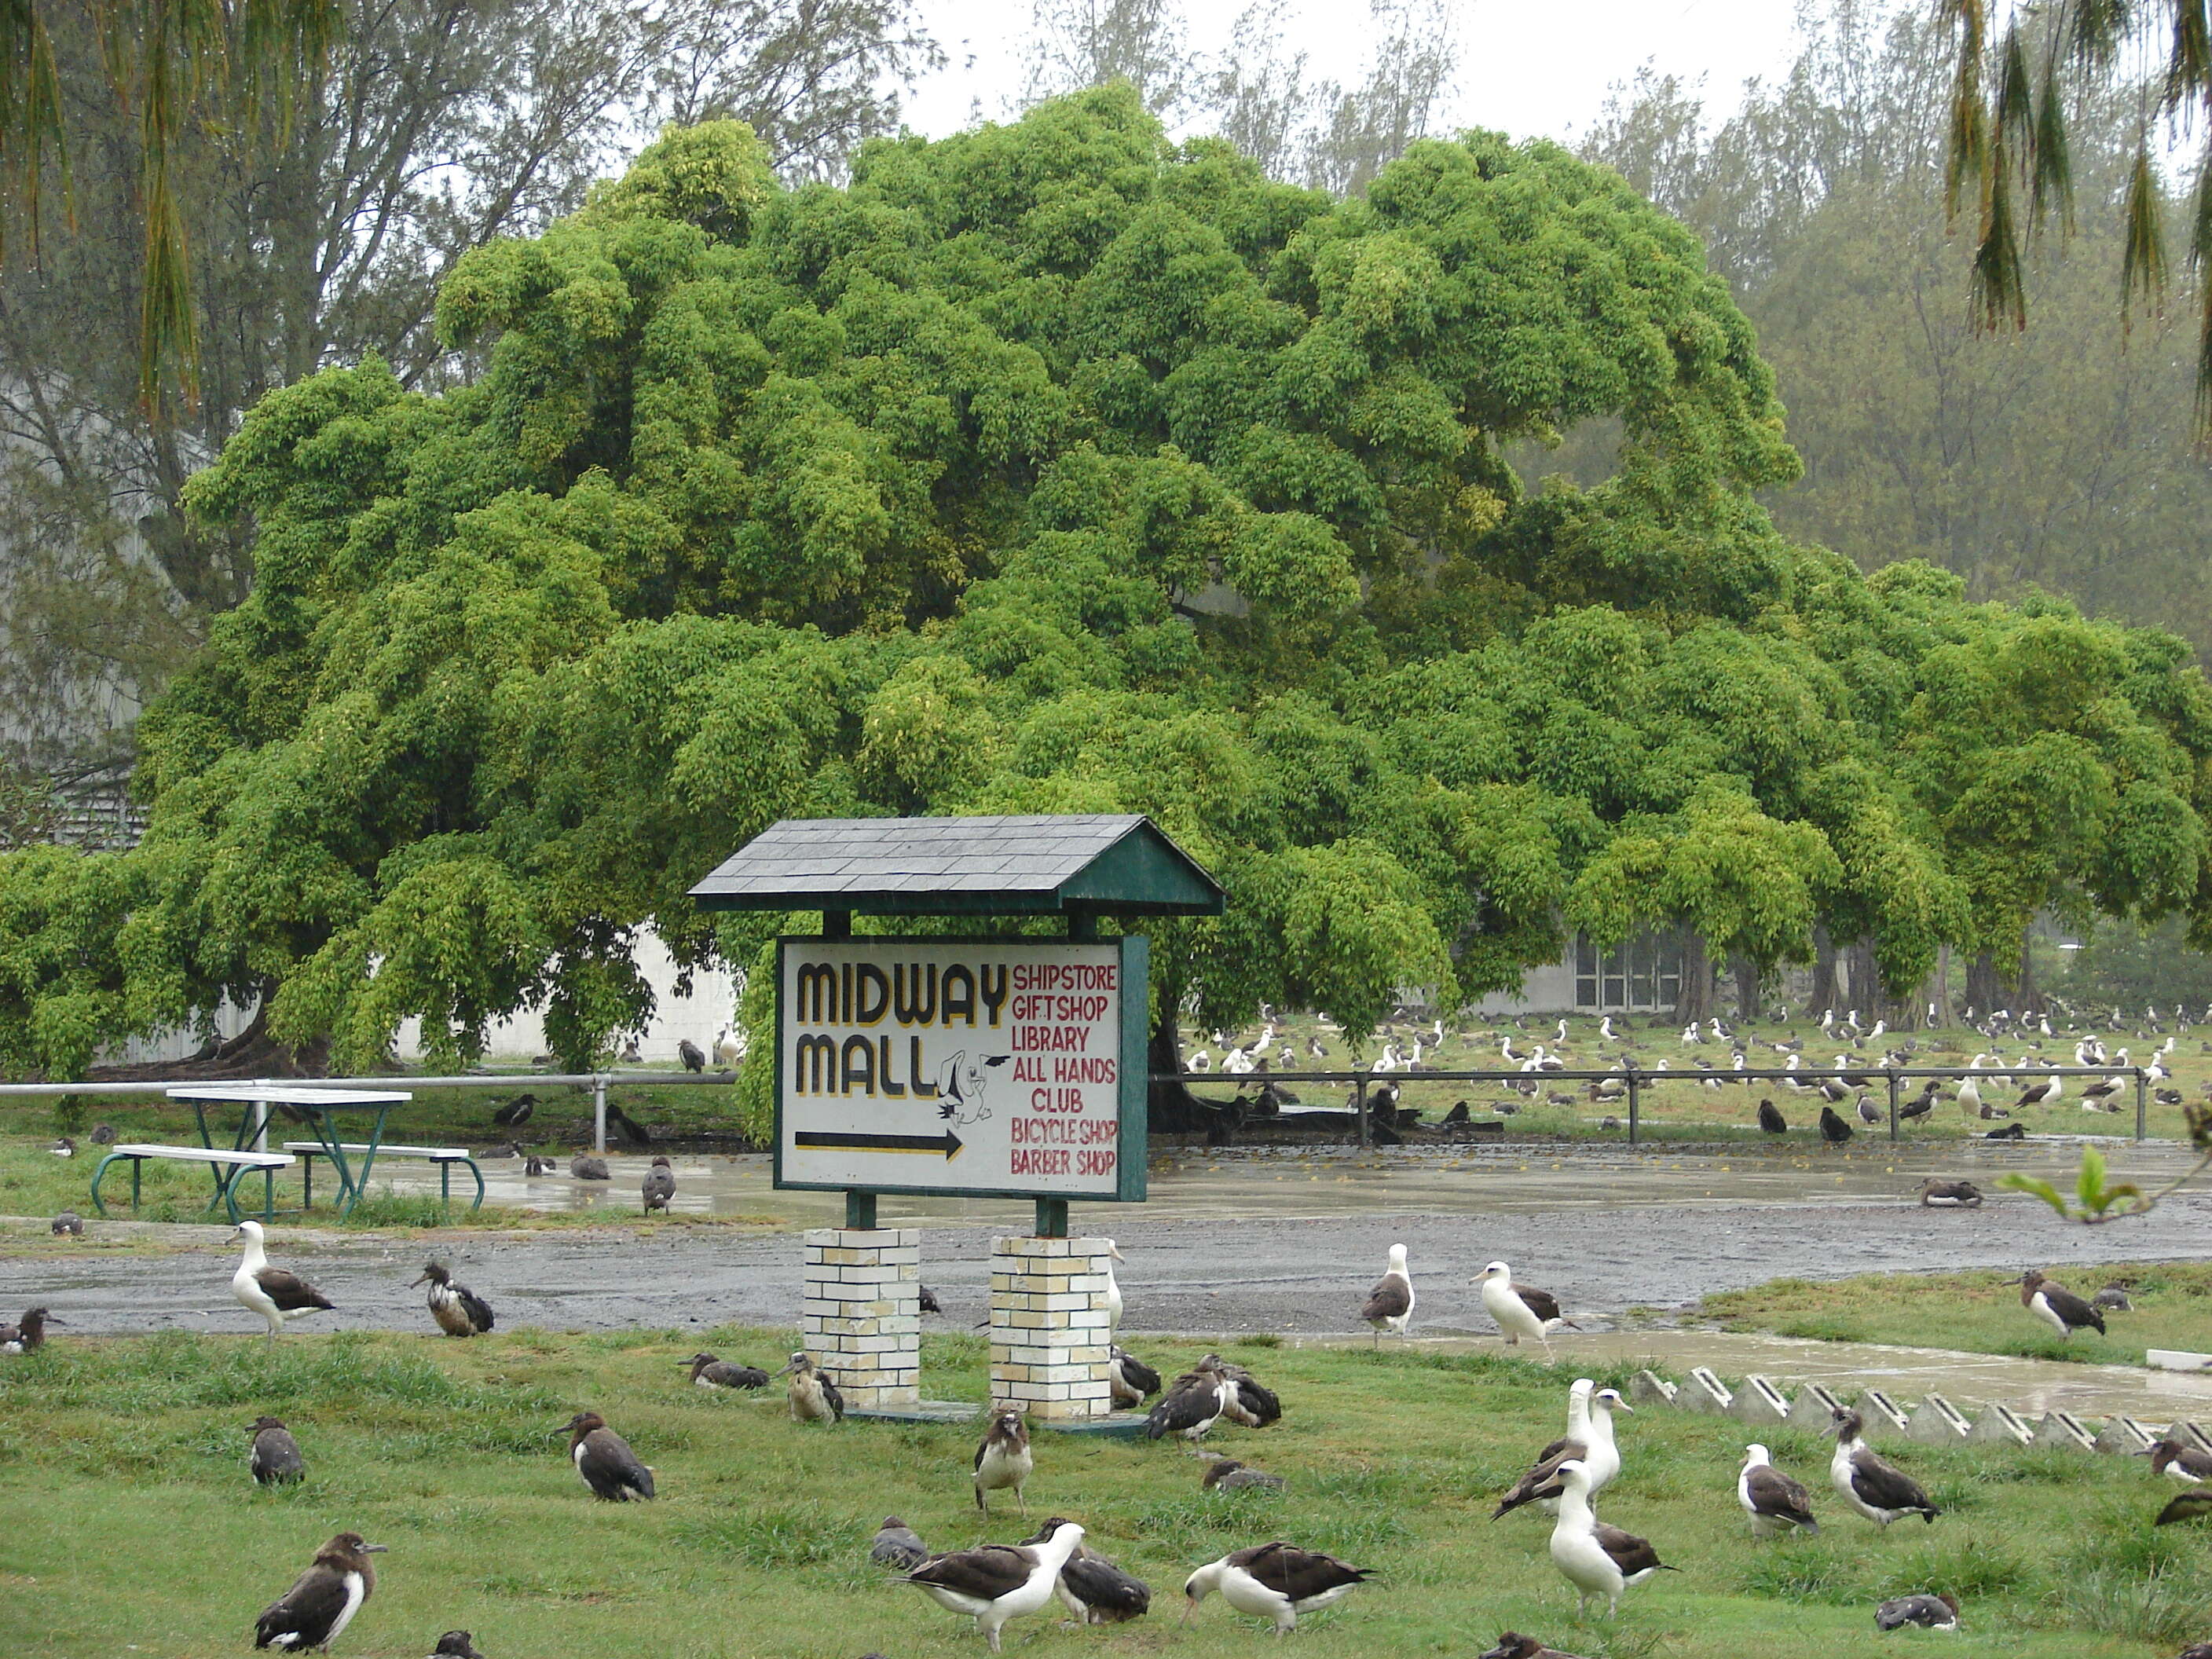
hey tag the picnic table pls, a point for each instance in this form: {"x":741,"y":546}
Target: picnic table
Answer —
{"x":319,"y":1111}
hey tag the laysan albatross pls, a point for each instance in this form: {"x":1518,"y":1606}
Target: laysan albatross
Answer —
{"x":1777,"y":1503}
{"x":1595,"y":1558}
{"x":1004,"y":1458}
{"x":1520,"y":1309}
{"x":1390,"y":1304}
{"x":273,"y":1293}
{"x":1276,"y":1582}
{"x":1876,"y":1488}
{"x":999,"y":1582}
{"x":1512,"y":1644}
{"x":2056,"y":1306}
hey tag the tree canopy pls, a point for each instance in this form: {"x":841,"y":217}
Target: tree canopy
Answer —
{"x":1053,"y":467}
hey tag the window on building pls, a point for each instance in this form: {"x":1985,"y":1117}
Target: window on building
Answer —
{"x":1641,"y":974}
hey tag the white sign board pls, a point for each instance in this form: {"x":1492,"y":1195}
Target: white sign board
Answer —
{"x":985,"y":1066}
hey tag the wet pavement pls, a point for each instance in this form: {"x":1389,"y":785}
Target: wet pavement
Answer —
{"x":1285,"y":1241}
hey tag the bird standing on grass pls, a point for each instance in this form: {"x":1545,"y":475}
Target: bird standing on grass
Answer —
{"x":1772,"y":1121}
{"x":709,"y":1372}
{"x":1244,"y":1399}
{"x":1833,"y":1129}
{"x":459,"y":1310}
{"x":275,"y":1459}
{"x":604,"y":1460}
{"x":1390,"y":1304}
{"x":999,"y":1582}
{"x":1877,"y":1489}
{"x":1595,"y":1558}
{"x":1192,"y":1405}
{"x":1004,"y":1458}
{"x":323,"y":1600}
{"x":814,"y":1398}
{"x":1776,"y":1503}
{"x":2056,"y":1306}
{"x":1520,"y":1309}
{"x":1590,"y":1442}
{"x":273,"y":1293}
{"x":455,"y":1645}
{"x":694,"y":1057}
{"x":658,"y":1186}
{"x":1276,"y":1582}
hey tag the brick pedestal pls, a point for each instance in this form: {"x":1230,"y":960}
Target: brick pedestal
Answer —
{"x":1048,"y":1326}
{"x":862,"y":1319}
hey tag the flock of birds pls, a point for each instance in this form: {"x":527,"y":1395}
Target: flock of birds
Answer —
{"x":1989,"y":1087}
{"x":1277,"y":1581}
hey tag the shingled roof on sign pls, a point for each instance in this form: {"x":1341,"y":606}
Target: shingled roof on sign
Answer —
{"x":1120,"y":864}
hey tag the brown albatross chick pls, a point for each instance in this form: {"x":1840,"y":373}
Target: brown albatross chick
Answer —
{"x":323,"y":1600}
{"x":29,"y":1335}
{"x":604,"y":1460}
{"x":1514,"y":1645}
{"x":275,"y":1459}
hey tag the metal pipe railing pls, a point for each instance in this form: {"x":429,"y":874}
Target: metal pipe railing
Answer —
{"x":597,"y":1082}
{"x":1635,"y":1079}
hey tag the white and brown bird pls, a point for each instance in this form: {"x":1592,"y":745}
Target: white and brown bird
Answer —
{"x":658,"y":1185}
{"x":1520,"y":1310}
{"x":459,"y":1310}
{"x":1130,"y":1381}
{"x":1246,"y":1401}
{"x":2044,"y":1091}
{"x":1512,"y":1644}
{"x":1093,"y":1589}
{"x":1928,"y":1612}
{"x":604,"y":1460}
{"x":1595,"y":1558}
{"x":708,"y":1372}
{"x":814,"y":1398}
{"x":1876,"y":1488}
{"x":273,"y":1293}
{"x":1192,"y":1405}
{"x":1939,"y":1194}
{"x":2179,"y":1461}
{"x":2056,"y":1306}
{"x":898,"y":1544}
{"x":1004,"y":1459}
{"x":999,"y":1582}
{"x":1276,"y":1582}
{"x":1589,"y":1441}
{"x":323,"y":1599}
{"x":275,"y":1458}
{"x":1390,"y":1304}
{"x":28,"y":1333}
{"x":1777,"y":1503}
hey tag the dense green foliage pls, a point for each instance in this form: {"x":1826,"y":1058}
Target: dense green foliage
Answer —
{"x":1050,"y":467}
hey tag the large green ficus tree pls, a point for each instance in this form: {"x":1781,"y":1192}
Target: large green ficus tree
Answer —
{"x":1053,"y":468}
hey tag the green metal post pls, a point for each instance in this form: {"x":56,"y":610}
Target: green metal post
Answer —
{"x":1892,"y":1070}
{"x":859,"y":1211}
{"x":2142,"y":1106}
{"x":1052,"y":1217}
{"x":1634,"y":1104}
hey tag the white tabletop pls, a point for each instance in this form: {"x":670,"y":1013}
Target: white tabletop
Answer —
{"x":261,"y":1092}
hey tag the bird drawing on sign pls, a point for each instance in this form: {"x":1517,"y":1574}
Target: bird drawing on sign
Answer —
{"x":961,"y":1084}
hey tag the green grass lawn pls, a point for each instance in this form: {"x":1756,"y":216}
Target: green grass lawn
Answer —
{"x":129,"y":1525}
{"x":1981,"y":1311}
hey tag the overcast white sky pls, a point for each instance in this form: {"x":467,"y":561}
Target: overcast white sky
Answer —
{"x":1530,"y":69}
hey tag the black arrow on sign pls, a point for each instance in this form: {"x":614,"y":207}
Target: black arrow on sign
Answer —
{"x":811,"y":1140}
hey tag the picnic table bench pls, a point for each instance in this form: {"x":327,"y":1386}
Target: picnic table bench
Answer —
{"x":444,"y":1157}
{"x":227,"y":1165}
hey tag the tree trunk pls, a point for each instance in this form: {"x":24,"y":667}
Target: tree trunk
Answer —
{"x":1746,"y":986}
{"x":1695,"y":1001}
{"x":1174,"y":1109}
{"x":1824,"y":973}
